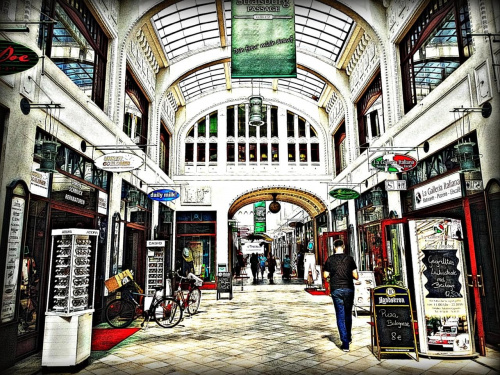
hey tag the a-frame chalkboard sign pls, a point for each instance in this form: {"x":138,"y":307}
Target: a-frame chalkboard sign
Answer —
{"x":393,"y":328}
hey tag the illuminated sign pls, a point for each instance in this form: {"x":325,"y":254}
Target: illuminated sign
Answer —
{"x":394,"y":163}
{"x":163,"y":195}
{"x":15,"y":58}
{"x":118,"y":162}
{"x":344,"y":194}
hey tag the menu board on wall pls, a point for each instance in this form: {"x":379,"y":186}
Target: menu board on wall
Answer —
{"x":14,"y":242}
{"x":440,"y":288}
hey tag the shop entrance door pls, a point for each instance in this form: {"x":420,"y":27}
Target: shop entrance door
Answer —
{"x":394,"y":252}
{"x":135,"y":253}
{"x":325,"y":249}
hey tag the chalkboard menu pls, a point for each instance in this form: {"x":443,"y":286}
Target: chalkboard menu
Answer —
{"x":442,"y":273}
{"x":224,"y":284}
{"x":392,"y":320}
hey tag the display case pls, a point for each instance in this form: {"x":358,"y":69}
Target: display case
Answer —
{"x":155,"y":275}
{"x":70,"y":302}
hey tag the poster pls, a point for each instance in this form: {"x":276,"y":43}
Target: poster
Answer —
{"x":263,"y":39}
{"x":15,"y":237}
{"x":440,"y":286}
{"x":362,"y":291}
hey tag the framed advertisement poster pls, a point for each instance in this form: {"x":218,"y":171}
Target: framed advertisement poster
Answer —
{"x":440,"y":287}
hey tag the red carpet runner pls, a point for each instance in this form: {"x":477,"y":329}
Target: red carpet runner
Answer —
{"x":316,"y":292}
{"x":106,"y":338}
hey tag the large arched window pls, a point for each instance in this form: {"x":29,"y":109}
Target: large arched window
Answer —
{"x":251,"y":145}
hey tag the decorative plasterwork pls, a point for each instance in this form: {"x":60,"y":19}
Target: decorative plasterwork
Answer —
{"x":148,"y":52}
{"x":168,"y":110}
{"x":400,"y":15}
{"x":336,"y":110}
{"x":304,"y":199}
{"x":358,"y":52}
{"x":108,"y":13}
{"x":367,"y":63}
{"x":143,"y":71}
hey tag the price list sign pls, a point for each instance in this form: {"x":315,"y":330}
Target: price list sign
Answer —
{"x":392,"y":321}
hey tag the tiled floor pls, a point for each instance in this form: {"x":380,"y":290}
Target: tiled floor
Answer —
{"x":264,"y":329}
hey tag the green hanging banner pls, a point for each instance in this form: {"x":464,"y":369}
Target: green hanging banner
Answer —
{"x":259,"y":217}
{"x":263,"y":39}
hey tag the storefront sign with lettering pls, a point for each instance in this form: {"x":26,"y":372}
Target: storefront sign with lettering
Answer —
{"x":118,"y":162}
{"x":344,"y":194}
{"x":15,"y":58}
{"x":39,"y":184}
{"x":163,"y":195}
{"x":438,"y":191}
{"x":394,"y":163}
{"x":440,"y":286}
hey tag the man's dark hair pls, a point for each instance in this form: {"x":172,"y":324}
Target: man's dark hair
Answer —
{"x":338,"y":243}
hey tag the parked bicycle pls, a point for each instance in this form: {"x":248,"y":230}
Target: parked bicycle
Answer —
{"x":121,"y":312}
{"x":192,"y":298}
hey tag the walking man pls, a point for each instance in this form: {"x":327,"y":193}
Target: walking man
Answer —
{"x":342,"y":271}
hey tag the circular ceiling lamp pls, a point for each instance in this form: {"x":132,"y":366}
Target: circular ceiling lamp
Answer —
{"x":274,"y":206}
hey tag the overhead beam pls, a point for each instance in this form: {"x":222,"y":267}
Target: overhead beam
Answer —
{"x":227,"y":73}
{"x":222,"y":22}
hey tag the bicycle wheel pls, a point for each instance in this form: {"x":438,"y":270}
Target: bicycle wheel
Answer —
{"x":120,"y":313}
{"x":194,"y":301}
{"x":167,"y":312}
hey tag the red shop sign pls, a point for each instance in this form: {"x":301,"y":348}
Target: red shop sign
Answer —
{"x":394,"y":163}
{"x":15,"y":58}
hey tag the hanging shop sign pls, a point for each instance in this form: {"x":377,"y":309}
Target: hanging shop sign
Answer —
{"x":73,"y":192}
{"x":440,"y":287}
{"x":39,"y":182}
{"x":394,"y":163}
{"x":263,"y":39}
{"x":102,"y":202}
{"x":259,"y":217}
{"x":395,"y":185}
{"x":118,"y":162}
{"x":439,"y":191}
{"x":163,"y":195}
{"x":344,"y":194}
{"x":15,"y":58}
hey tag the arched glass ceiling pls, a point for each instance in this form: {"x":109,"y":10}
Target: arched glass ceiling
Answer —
{"x":212,"y":78}
{"x":190,"y":25}
{"x":187,"y":26}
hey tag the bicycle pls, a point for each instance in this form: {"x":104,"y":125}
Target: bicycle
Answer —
{"x":121,"y":312}
{"x":190,"y":301}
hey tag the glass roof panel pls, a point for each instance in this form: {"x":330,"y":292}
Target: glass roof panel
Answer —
{"x":187,"y":18}
{"x":203,"y":81}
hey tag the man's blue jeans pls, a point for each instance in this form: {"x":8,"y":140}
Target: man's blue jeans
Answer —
{"x":343,"y":299}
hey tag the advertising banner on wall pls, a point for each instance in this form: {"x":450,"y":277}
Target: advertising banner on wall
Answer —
{"x":259,"y":217}
{"x":263,"y":39}
{"x":440,"y":287}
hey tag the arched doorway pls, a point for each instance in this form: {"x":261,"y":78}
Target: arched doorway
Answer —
{"x":309,"y":202}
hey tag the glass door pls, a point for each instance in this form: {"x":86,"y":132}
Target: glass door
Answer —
{"x":394,"y":244}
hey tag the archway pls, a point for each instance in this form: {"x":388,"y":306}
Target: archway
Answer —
{"x":306,"y":200}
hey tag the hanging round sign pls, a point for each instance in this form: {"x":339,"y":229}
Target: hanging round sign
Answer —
{"x":118,"y":162}
{"x":15,"y":58}
{"x":394,"y":163}
{"x":344,"y":194}
{"x":163,"y":195}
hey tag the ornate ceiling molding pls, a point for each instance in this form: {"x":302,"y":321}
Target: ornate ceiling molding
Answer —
{"x":304,"y":199}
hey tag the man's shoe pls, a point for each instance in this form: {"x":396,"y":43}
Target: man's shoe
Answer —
{"x":345,"y":348}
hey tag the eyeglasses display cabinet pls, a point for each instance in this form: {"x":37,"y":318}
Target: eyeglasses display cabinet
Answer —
{"x":70,"y":303}
{"x":154,"y":268}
